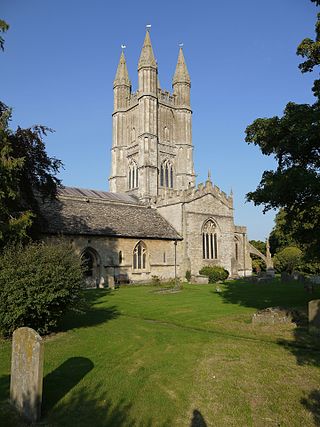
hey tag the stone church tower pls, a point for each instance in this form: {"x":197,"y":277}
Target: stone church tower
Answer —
{"x":152,"y":159}
{"x":154,"y":221}
{"x":152,"y":150}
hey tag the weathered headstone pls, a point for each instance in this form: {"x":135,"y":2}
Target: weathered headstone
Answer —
{"x":101,"y":283}
{"x":274,"y":316}
{"x":314,"y":315}
{"x":111,"y":282}
{"x":27,"y":373}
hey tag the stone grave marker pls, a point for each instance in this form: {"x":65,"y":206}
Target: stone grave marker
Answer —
{"x":111,"y":284}
{"x":27,"y":373}
{"x":314,"y":315}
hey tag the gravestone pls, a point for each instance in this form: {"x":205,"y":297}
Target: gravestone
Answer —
{"x":27,"y":373}
{"x":314,"y":315}
{"x":111,"y":282}
{"x":274,"y":316}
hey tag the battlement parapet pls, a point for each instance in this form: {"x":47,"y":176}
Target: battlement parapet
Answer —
{"x":189,"y":194}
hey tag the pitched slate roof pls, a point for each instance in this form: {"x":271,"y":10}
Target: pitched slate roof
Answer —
{"x":91,"y":212}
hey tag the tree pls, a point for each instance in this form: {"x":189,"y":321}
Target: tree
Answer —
{"x":257,"y":263}
{"x":38,"y":283}
{"x":288,"y":259}
{"x":4,"y":27}
{"x":293,"y":140}
{"x":279,"y":236}
{"x":27,"y":175}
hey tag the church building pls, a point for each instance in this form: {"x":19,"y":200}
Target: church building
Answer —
{"x":154,"y":221}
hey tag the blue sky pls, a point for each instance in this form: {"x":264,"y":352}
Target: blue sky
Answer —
{"x":61,"y":57}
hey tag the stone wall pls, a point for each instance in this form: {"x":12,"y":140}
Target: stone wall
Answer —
{"x":160,"y":257}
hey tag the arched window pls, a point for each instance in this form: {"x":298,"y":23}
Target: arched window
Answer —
{"x":133,"y":175}
{"x":161,"y":176}
{"x":209,"y":240}
{"x":133,"y":135}
{"x":87,"y":262}
{"x":236,"y":248}
{"x":166,"y":174}
{"x":166,"y":134}
{"x":120,"y":257}
{"x":140,"y":256}
{"x":90,"y":263}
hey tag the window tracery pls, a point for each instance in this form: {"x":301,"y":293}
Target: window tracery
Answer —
{"x":209,"y":240}
{"x":166,"y":174}
{"x":133,"y":175}
{"x":140,"y":256}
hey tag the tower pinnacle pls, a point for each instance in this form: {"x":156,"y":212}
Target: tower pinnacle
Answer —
{"x":147,"y":58}
{"x":181,"y":74}
{"x":122,"y":76}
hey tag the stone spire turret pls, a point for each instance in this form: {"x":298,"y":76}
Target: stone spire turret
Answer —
{"x":181,"y":74}
{"x":148,"y":122}
{"x":121,"y":85}
{"x":147,"y":58}
{"x":122,"y":75}
{"x":181,"y":82}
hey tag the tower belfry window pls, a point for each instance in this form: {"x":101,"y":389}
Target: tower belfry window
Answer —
{"x":161,"y":176}
{"x":166,"y":174}
{"x":133,"y":176}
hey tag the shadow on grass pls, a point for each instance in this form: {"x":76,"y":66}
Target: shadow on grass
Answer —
{"x":60,"y":381}
{"x":4,"y":387}
{"x":91,"y":407}
{"x":197,"y":419}
{"x":89,"y":313}
{"x":304,"y":346}
{"x":263,"y":295}
{"x":312,"y":404}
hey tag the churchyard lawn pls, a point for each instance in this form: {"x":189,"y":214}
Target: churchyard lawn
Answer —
{"x":192,"y":358}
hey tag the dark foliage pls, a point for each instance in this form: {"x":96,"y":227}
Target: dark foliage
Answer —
{"x":28,"y":175}
{"x":38,"y":283}
{"x":293,"y":140}
{"x":215,"y":273}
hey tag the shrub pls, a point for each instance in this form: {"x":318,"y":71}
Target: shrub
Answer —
{"x":287,"y":259}
{"x":155,"y":280}
{"x":188,"y":275}
{"x":38,"y":283}
{"x":215,"y":273}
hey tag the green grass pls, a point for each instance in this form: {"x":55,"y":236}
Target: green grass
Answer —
{"x":193,"y":358}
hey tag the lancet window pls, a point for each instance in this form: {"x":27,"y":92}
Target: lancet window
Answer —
{"x":236,"y":248}
{"x":140,"y":256}
{"x":166,"y":174}
{"x":209,"y":240}
{"x":133,"y":176}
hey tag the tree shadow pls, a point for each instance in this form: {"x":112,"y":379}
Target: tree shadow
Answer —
{"x":4,"y":386}
{"x":197,"y":419}
{"x":312,"y":404}
{"x":249,"y":293}
{"x":91,"y":407}
{"x":64,"y":378}
{"x":303,"y":345}
{"x":89,"y":313}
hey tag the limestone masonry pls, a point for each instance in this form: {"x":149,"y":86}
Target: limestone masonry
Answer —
{"x":154,"y":220}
